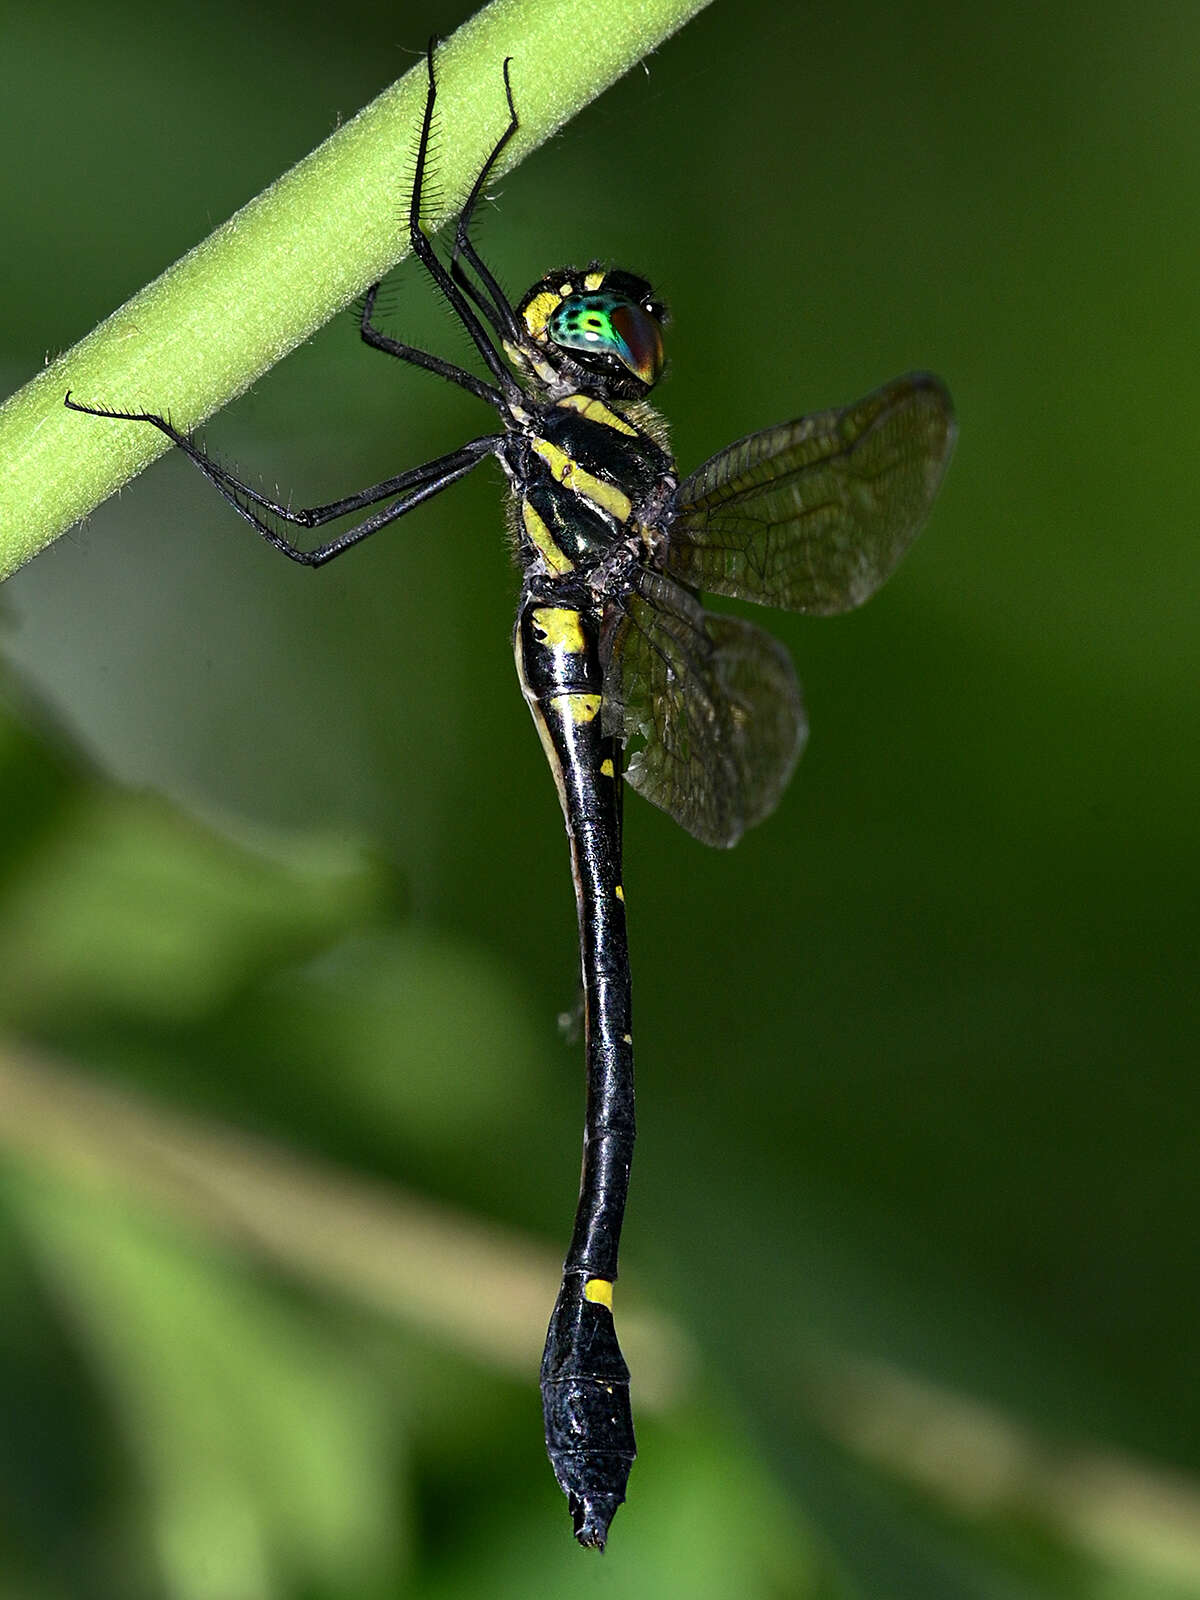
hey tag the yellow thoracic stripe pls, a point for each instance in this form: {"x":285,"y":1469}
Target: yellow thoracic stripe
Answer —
{"x":543,"y":540}
{"x":596,"y":411}
{"x":572,"y":476}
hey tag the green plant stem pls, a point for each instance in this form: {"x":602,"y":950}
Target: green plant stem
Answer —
{"x":282,"y":266}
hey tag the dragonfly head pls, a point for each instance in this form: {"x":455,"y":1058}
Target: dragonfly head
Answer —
{"x":597,"y":331}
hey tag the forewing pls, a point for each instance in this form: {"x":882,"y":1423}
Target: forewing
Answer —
{"x":710,"y":707}
{"x":814,"y":515}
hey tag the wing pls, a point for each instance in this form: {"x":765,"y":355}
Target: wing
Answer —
{"x":814,"y":515}
{"x":709,"y":704}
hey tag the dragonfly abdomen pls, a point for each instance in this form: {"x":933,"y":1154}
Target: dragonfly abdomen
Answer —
{"x":584,"y":1378}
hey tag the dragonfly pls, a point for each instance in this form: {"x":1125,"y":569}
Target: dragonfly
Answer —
{"x":628,"y":677}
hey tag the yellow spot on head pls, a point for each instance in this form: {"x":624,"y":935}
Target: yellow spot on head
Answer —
{"x":599,"y":1291}
{"x":627,"y":1037}
{"x":606,"y":768}
{"x":537,"y":312}
{"x":560,"y":628}
{"x":620,"y":893}
{"x":594,"y":280}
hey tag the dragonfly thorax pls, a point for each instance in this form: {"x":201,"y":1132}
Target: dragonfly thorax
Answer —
{"x":587,"y":478}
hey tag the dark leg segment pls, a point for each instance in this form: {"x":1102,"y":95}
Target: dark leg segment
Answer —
{"x":407,"y":489}
{"x":425,"y":253}
{"x":421,"y":358}
{"x":491,"y":300}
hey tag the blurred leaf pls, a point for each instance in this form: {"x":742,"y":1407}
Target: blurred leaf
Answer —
{"x":133,"y":908}
{"x":264,"y":1452}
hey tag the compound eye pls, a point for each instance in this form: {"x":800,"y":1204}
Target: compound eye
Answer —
{"x":608,"y":327}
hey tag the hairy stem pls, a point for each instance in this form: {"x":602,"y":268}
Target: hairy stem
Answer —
{"x":282,"y":266}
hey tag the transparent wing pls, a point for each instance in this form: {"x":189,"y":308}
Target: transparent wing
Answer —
{"x":814,"y":515}
{"x":710,"y":707}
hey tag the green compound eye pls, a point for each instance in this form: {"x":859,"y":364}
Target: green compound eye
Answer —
{"x":608,"y":327}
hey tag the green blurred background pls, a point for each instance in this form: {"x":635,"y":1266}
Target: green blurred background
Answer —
{"x":291,"y":1136}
